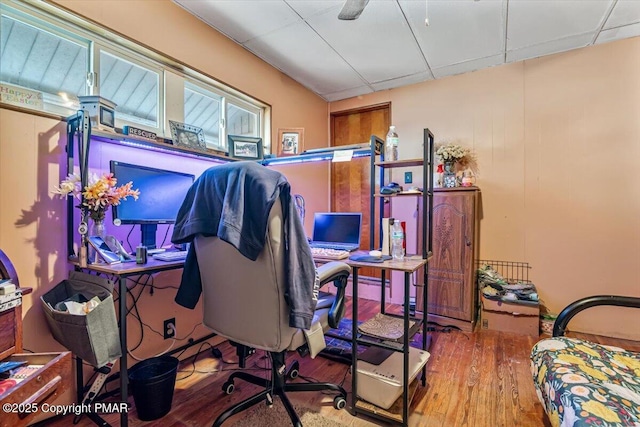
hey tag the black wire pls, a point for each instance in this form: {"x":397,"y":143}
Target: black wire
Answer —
{"x":127,"y":238}
{"x":195,"y":358}
{"x":134,"y":307}
{"x":165,"y":236}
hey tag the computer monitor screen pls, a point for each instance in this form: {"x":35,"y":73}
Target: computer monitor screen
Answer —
{"x":337,"y":227}
{"x":161,"y":195}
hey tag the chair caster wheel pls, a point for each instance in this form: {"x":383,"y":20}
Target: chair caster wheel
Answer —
{"x":228,"y":387}
{"x":294,"y":371}
{"x":339,"y":402}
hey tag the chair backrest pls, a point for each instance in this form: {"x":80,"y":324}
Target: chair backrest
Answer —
{"x":244,"y":300}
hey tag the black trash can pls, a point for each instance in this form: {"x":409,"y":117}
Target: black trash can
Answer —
{"x":152,"y":382}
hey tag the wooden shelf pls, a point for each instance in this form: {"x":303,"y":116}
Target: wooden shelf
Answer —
{"x":395,"y":411}
{"x":401,"y":163}
{"x":401,"y":194}
{"x":389,"y":344}
{"x":133,"y":141}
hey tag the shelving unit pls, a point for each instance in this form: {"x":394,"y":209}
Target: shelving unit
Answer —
{"x":398,"y":412}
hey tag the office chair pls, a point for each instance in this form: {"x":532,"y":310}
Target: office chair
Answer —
{"x":246,"y":302}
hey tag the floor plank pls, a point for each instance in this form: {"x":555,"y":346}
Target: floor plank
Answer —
{"x":473,"y":379}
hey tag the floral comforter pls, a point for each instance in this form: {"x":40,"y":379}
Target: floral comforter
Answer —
{"x":586,"y":384}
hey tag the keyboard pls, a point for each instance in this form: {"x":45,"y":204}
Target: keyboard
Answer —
{"x":334,"y":246}
{"x":171,"y":256}
{"x":328,"y":253}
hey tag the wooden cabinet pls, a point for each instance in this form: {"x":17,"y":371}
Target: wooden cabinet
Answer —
{"x":451,"y":272}
{"x":50,"y":375}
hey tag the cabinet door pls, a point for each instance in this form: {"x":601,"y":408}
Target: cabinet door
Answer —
{"x":451,"y":279}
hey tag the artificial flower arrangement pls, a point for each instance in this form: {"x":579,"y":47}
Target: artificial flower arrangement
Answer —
{"x":463,"y":157}
{"x":452,"y":152}
{"x":99,"y":194}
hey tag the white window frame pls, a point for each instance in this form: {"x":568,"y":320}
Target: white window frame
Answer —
{"x":129,"y":56}
{"x":42,"y":22}
{"x":211,"y":92}
{"x":49,"y":17}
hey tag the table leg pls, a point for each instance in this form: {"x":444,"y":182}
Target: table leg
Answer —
{"x":405,"y":361}
{"x":124,"y":376}
{"x":354,"y":341}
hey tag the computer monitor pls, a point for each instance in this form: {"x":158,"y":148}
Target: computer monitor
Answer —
{"x":161,"y":195}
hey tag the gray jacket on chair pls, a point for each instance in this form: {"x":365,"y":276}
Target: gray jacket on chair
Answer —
{"x":232,"y":202}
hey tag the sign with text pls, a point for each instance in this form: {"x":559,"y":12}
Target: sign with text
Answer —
{"x":20,"y":96}
{"x":130,"y":130}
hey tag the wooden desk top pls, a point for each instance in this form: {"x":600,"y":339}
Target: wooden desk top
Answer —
{"x":409,"y":264}
{"x":131,"y":268}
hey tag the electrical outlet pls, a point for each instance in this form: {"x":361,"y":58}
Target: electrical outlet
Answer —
{"x":408,"y":177}
{"x":170,"y":332}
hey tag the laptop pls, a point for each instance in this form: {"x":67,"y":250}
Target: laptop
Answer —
{"x":336,"y":230}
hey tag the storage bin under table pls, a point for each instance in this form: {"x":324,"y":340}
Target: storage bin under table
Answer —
{"x":382,"y":384}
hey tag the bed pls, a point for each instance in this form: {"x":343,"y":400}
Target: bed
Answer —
{"x":581,"y":383}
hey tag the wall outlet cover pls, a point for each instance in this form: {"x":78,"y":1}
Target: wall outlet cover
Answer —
{"x":408,"y":177}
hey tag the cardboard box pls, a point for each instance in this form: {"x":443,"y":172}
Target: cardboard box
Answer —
{"x":510,"y":317}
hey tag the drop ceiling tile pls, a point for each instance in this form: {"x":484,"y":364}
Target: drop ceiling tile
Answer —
{"x":307,"y":8}
{"x":618,"y":33}
{"x":625,"y":12}
{"x":458,"y":31}
{"x":534,"y":22}
{"x":300,"y":53}
{"x":403,"y":81}
{"x":349,"y":93}
{"x":242,"y":20}
{"x":379,"y":44}
{"x":468,"y":66}
{"x":550,"y":47}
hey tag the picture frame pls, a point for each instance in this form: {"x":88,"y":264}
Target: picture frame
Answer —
{"x":290,"y":141}
{"x":187,"y":136}
{"x":245,"y":147}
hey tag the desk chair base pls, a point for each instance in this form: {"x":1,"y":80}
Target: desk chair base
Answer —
{"x":276,"y":386}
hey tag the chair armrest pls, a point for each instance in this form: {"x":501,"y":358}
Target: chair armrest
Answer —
{"x":560,"y":325}
{"x":338,"y":272}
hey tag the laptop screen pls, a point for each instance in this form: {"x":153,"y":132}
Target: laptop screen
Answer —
{"x":337,"y":227}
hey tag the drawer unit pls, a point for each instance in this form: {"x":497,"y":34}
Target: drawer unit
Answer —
{"x":42,"y":386}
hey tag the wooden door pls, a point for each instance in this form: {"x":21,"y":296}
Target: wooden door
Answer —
{"x":451,"y":287}
{"x":350,"y":181}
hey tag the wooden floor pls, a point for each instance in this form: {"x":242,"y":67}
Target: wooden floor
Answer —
{"x":473,"y":379}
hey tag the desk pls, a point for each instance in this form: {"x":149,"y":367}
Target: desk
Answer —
{"x":408,"y":265}
{"x":122,"y":272}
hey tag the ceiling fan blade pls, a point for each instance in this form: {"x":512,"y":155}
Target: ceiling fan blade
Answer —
{"x":352,"y":9}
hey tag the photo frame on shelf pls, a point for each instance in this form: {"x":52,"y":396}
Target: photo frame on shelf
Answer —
{"x":245,"y":147}
{"x":290,"y":141}
{"x":184,"y":135}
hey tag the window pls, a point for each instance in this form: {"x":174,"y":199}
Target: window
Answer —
{"x":133,"y":87}
{"x":202,"y":108}
{"x":219,"y":115}
{"x":241,"y":121}
{"x":49,"y":57}
{"x":34,"y":58}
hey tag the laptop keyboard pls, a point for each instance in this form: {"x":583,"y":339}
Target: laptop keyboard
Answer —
{"x":328,"y":253}
{"x":334,"y":246}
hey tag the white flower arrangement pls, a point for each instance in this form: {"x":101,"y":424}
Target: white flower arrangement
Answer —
{"x":452,"y":152}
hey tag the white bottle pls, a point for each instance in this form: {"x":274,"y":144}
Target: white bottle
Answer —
{"x":397,"y":239}
{"x":391,"y":145}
